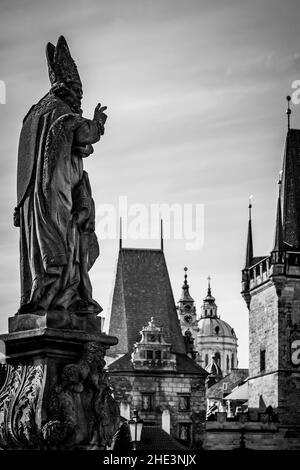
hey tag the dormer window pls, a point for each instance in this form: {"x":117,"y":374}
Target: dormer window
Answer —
{"x":217,"y":329}
{"x":151,"y":338}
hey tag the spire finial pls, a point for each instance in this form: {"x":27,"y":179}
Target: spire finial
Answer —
{"x":161,"y":235}
{"x":249,"y":249}
{"x":185,"y":275}
{"x":120,"y":241}
{"x":288,"y":111}
{"x":250,"y":206}
{"x":209,"y":288}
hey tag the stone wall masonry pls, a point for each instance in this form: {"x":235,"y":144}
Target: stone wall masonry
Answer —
{"x":166,"y":392}
{"x":254,"y":436}
{"x":263,"y":329}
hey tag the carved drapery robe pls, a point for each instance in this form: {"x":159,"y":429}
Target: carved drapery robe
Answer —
{"x":57,"y":216}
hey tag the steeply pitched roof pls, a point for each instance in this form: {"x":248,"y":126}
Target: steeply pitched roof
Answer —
{"x":233,"y":379}
{"x":184,"y":365}
{"x":290,"y":190}
{"x":143,"y":290}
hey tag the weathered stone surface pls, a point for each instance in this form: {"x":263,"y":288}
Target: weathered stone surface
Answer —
{"x":55,"y":209}
{"x":56,"y":394}
{"x":55,"y":319}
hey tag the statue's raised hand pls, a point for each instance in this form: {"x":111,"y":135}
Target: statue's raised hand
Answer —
{"x":100,"y":116}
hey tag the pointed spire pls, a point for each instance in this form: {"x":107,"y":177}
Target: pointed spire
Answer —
{"x":120,"y":240}
{"x":161,"y":235}
{"x":209,"y":307}
{"x":209,"y":288}
{"x":185,"y":288}
{"x":278,"y":241}
{"x":249,"y":249}
{"x":290,"y":191}
{"x":288,"y":111}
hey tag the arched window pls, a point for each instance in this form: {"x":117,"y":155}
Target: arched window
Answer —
{"x":227,"y":362}
{"x":218,"y":358}
{"x":206,"y":360}
{"x":232,"y":361}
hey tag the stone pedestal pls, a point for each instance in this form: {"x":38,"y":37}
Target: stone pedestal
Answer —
{"x":56,"y":394}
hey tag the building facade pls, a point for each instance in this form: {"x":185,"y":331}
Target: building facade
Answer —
{"x":150,"y":369}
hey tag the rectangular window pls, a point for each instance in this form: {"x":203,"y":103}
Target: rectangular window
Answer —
{"x":184,"y":403}
{"x":147,"y":401}
{"x":158,"y":355}
{"x":225,"y":384}
{"x":184,"y":431}
{"x":149,"y":354}
{"x":262,"y":360}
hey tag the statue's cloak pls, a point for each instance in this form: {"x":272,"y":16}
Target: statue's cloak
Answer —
{"x":46,"y":139}
{"x":52,"y":188}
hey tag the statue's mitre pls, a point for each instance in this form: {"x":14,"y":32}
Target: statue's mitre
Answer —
{"x":61,"y":65}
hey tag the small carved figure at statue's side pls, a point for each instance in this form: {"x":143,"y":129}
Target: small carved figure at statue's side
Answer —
{"x":55,"y":210}
{"x":81,"y":407}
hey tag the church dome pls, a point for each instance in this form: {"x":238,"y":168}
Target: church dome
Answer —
{"x":213,"y":326}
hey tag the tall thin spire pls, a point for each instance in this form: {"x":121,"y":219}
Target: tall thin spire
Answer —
{"x":249,"y":249}
{"x":278,"y":241}
{"x":120,"y":239}
{"x":185,"y":288}
{"x":161,"y":235}
{"x":288,"y":111}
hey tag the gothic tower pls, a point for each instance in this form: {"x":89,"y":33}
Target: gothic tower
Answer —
{"x":271,"y":289}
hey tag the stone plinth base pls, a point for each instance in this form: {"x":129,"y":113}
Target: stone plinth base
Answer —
{"x":56,"y":394}
{"x":54,"y":319}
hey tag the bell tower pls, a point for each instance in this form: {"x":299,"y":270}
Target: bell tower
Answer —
{"x":271,"y":289}
{"x":186,"y":310}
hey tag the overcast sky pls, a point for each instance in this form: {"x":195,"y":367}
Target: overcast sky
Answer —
{"x":196,"y":103}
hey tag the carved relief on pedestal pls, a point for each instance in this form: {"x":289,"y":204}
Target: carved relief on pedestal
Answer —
{"x":81,"y":408}
{"x":19,"y":403}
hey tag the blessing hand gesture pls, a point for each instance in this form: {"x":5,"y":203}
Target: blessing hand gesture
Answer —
{"x":99,"y":115}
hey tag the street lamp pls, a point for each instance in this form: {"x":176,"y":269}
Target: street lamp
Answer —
{"x":135,"y":426}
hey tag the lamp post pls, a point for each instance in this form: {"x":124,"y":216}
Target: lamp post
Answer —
{"x":135,"y":426}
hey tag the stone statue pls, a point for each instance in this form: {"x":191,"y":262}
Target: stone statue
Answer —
{"x":55,"y":210}
{"x":54,"y":392}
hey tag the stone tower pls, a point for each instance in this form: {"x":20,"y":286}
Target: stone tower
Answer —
{"x":271,"y":289}
{"x":186,"y":310}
